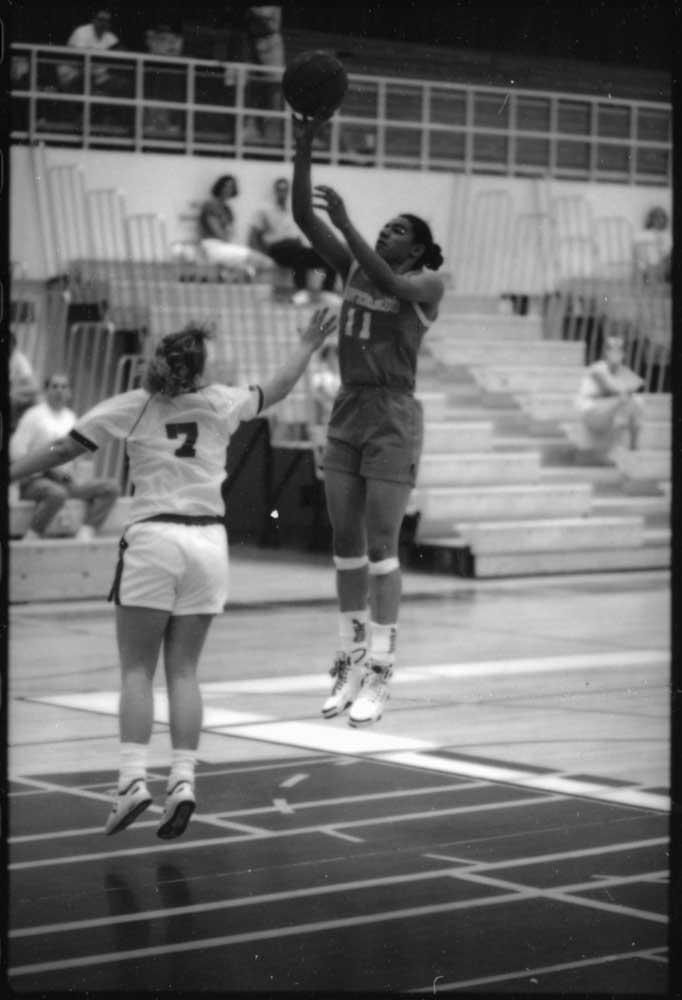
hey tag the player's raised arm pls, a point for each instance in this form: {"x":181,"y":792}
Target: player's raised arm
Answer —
{"x":59,"y":452}
{"x":321,"y":325}
{"x":322,"y":236}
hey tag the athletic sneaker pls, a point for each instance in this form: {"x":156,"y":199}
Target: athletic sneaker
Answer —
{"x":374,"y":693}
{"x":346,"y":685}
{"x":180,"y":804}
{"x":127,"y":806}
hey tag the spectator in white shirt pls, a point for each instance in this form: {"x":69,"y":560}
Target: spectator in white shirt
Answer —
{"x":95,"y":36}
{"x":39,"y":427}
{"x":274,"y":231}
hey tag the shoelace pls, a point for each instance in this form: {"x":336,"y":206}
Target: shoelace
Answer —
{"x":340,"y":670}
{"x":374,"y":683}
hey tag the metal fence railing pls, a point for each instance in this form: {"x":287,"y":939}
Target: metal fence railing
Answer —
{"x":142,"y":102}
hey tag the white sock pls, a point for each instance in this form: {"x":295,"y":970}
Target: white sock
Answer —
{"x":382,"y":643}
{"x":353,"y":633}
{"x":183,"y":762}
{"x":133,"y":763}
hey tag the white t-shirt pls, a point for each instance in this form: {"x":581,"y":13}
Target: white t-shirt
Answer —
{"x":176,"y":446}
{"x":84,"y":37}
{"x":275,"y":224}
{"x":38,"y":428}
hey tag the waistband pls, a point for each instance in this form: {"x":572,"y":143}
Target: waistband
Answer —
{"x":185,"y":519}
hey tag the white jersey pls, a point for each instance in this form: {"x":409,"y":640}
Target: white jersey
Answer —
{"x":176,"y":446}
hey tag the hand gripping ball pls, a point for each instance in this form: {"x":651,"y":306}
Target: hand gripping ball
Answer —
{"x":313,"y":82}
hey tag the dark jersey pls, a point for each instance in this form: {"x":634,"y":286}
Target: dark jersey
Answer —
{"x":379,"y":335}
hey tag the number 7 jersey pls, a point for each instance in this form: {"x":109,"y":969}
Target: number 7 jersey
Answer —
{"x":379,"y":335}
{"x":176,"y":446}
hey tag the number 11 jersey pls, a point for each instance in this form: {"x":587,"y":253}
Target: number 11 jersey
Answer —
{"x":379,"y":335}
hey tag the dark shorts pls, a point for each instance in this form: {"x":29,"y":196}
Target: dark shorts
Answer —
{"x":376,"y":433}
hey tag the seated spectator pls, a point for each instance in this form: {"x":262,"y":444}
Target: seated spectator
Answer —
{"x":94,"y":36}
{"x":38,"y":427}
{"x":23,"y":385}
{"x":611,"y":411}
{"x":653,"y":248}
{"x":162,"y":85}
{"x":217,"y":228}
{"x":274,"y":231}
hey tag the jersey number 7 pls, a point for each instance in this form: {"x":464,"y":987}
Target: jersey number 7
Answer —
{"x":191,"y":433}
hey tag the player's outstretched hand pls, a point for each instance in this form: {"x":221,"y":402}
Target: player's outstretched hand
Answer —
{"x":331,"y":201}
{"x":322,"y":324}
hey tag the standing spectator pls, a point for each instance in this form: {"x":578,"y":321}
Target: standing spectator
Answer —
{"x":610,"y":410}
{"x":274,"y":231}
{"x":217,"y":229}
{"x":23,"y":386}
{"x":264,"y":32}
{"x":172,"y":573}
{"x":653,"y":248}
{"x":39,"y":427}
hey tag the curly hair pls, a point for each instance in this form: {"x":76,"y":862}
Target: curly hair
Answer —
{"x":178,"y":362}
{"x":432,"y":256}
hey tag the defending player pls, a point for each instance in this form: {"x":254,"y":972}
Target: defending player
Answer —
{"x":375,"y":430}
{"x":172,"y":572}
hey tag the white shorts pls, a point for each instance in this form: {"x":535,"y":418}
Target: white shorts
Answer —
{"x":180,"y":568}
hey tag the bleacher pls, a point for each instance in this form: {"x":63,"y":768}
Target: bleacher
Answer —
{"x":506,"y":485}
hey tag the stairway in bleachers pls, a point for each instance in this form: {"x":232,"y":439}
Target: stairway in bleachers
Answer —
{"x":503,"y":490}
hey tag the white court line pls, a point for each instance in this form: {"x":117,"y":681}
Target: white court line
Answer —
{"x":462,"y":868}
{"x":395,"y":749}
{"x":73,"y":859}
{"x":554,"y":783}
{"x":287,"y":930}
{"x":295,"y":779}
{"x":531,"y":973}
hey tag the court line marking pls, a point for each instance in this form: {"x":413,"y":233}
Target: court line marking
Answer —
{"x":541,"y":859}
{"x":515,"y":775}
{"x":463,"y":870}
{"x":225,"y":818}
{"x":538,"y":971}
{"x":287,"y":930}
{"x":295,"y":779}
{"x":323,"y":738}
{"x":278,"y":834}
{"x":564,"y":894}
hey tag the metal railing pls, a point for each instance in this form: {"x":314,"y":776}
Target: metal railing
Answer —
{"x":141,"y":102}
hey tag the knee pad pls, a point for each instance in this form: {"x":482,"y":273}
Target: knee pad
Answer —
{"x":384,"y":566}
{"x":350,"y":562}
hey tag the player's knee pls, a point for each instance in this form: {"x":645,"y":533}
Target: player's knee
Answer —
{"x":54,"y":495}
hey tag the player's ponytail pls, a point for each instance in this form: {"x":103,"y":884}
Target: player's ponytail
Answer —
{"x":178,"y":362}
{"x":432,"y":257}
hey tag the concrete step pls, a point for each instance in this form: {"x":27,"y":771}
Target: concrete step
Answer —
{"x":441,"y":436}
{"x":655,"y":435}
{"x":555,"y":534}
{"x":454,"y":352}
{"x":68,"y":520}
{"x":654,"y":509}
{"x":453,"y":302}
{"x":469,"y":468}
{"x":434,"y":403}
{"x":646,"y":557}
{"x":444,"y":508}
{"x":553,"y":447}
{"x":472,"y":327}
{"x":559,"y":406}
{"x":61,"y":569}
{"x":644,"y":465}
{"x":518,"y":380}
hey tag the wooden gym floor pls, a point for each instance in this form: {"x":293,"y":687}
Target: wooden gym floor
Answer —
{"x":503,"y":830}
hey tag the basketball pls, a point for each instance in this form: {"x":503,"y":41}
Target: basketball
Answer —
{"x":315,"y":81}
